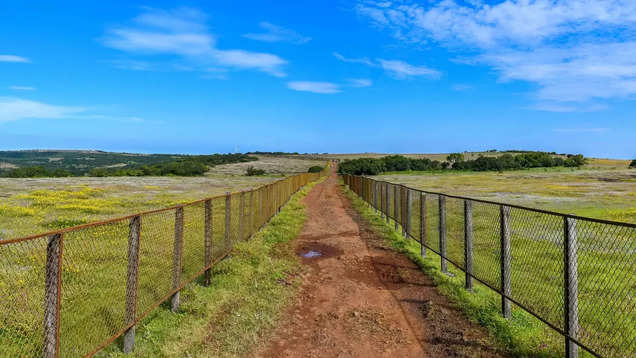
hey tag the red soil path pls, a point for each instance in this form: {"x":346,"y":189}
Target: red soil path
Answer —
{"x":361,"y":299}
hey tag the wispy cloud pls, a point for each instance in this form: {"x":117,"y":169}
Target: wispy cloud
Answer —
{"x":401,"y":69}
{"x":22,"y":88}
{"x":265,"y":62}
{"x":274,"y":33}
{"x":14,"y":58}
{"x":13,"y":109}
{"x":362,"y":60}
{"x":565,"y":107}
{"x":183,"y":32}
{"x":315,"y":87}
{"x":396,"y":68}
{"x":575,"y":51}
{"x":360,"y":82}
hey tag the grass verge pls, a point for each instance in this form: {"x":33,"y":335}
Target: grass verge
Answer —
{"x":246,"y":297}
{"x":521,"y":336}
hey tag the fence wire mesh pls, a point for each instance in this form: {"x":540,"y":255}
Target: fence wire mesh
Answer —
{"x":22,"y":287}
{"x":71,"y":292}
{"x":576,"y":274}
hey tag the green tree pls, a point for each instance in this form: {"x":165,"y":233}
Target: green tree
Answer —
{"x":455,"y":157}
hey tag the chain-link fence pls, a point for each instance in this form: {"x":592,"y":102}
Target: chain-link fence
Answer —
{"x":576,"y":274}
{"x":71,"y":292}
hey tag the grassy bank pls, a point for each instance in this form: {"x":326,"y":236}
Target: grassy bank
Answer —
{"x":522,"y":335}
{"x":246,"y":297}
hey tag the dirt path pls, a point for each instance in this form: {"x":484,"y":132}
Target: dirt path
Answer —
{"x":360,"y":299}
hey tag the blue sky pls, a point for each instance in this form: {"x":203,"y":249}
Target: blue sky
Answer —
{"x":319,"y":76}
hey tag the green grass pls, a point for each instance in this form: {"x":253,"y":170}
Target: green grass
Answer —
{"x":533,"y":265}
{"x":239,"y":308}
{"x":599,"y":192}
{"x":32,"y":206}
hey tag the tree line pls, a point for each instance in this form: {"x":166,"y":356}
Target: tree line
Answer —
{"x":186,"y":166}
{"x":456,"y":161}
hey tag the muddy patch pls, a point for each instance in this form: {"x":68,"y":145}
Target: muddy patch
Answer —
{"x":313,"y":251}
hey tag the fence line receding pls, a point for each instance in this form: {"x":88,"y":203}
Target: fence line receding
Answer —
{"x":71,"y":292}
{"x":576,"y":274}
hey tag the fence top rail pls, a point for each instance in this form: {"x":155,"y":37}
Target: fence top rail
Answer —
{"x":143,"y":213}
{"x":542,"y":211}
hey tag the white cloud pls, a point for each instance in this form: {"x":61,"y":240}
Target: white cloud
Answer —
{"x":22,"y":88}
{"x":13,"y":109}
{"x":13,"y":58}
{"x":143,"y":41}
{"x":396,"y":68}
{"x":574,"y":50}
{"x":565,"y":107}
{"x":477,"y":23}
{"x":360,"y":82}
{"x":182,"y":19}
{"x":572,"y":74}
{"x":362,"y":60}
{"x":251,"y":60}
{"x":274,"y":33}
{"x":183,"y":32}
{"x":315,"y":87}
{"x":401,"y":69}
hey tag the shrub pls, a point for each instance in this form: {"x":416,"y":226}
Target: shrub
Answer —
{"x":315,"y":169}
{"x":251,"y":171}
{"x":575,"y":160}
{"x":36,"y":172}
{"x":396,"y":163}
{"x":455,"y":157}
{"x":633,"y":164}
{"x":362,"y":166}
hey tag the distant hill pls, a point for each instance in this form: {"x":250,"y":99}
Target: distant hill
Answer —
{"x":60,"y":163}
{"x":78,"y":162}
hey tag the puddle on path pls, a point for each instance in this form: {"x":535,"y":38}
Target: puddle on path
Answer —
{"x":314,"y":251}
{"x":311,"y":254}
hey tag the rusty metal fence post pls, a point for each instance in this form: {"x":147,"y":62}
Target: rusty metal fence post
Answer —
{"x":382,"y":199}
{"x":571,"y":287}
{"x":409,"y":203}
{"x":442,"y":233}
{"x":241,"y":216}
{"x":386,"y":203}
{"x":52,"y":295}
{"x":177,"y":257}
{"x":251,"y":214}
{"x":396,"y":206}
{"x":132,"y":281}
{"x":403,"y":210}
{"x":261,"y":217}
{"x":423,"y":224}
{"x":207,"y":233}
{"x":468,"y":244}
{"x":374,"y":185}
{"x":505,"y":259}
